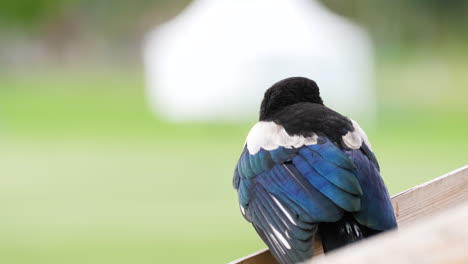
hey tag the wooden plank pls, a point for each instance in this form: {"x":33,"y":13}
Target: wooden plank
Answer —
{"x":262,"y":256}
{"x":442,"y":238}
{"x":429,"y":198}
{"x":413,"y":204}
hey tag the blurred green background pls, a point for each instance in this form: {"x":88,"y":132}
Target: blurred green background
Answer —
{"x":89,"y":175}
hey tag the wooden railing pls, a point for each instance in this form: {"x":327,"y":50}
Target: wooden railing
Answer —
{"x":440,"y":209}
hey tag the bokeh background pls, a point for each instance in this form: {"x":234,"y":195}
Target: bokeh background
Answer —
{"x":90,"y":175}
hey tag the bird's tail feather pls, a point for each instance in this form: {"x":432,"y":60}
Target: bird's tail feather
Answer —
{"x":338,"y":234}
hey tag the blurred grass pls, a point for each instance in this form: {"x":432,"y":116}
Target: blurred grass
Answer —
{"x":90,"y":176}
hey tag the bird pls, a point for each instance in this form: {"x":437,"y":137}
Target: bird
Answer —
{"x":306,"y":170}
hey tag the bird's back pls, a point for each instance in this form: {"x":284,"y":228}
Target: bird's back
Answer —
{"x":308,"y":169}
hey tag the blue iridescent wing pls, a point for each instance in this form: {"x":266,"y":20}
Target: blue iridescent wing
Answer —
{"x":285,"y":193}
{"x":376,"y":208}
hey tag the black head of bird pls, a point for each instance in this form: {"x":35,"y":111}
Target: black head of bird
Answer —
{"x":288,"y":92}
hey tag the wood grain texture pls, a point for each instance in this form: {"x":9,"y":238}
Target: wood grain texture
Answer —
{"x":412,"y":205}
{"x":429,"y":198}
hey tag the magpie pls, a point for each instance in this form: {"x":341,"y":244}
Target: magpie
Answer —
{"x":306,"y":170}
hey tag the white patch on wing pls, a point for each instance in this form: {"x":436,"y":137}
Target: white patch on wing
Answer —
{"x":280,"y":237}
{"x":269,"y":136}
{"x":362,"y":133}
{"x":275,"y":241}
{"x":242,"y":210}
{"x":355,"y":138}
{"x":352,"y":139}
{"x":288,"y":215}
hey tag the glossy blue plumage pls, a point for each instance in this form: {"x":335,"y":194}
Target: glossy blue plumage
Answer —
{"x":376,"y":208}
{"x":292,"y":190}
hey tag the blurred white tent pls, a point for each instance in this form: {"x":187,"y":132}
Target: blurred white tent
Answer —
{"x":215,"y":60}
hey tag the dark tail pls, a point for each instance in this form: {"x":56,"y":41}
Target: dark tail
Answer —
{"x":347,"y":230}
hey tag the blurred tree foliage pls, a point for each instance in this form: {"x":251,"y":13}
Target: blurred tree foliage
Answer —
{"x":33,"y":14}
{"x":30,"y":13}
{"x":409,"y":19}
{"x":399,"y":25}
{"x":27,"y":12}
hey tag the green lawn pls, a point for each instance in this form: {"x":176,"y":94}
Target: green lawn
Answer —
{"x":90,"y":176}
